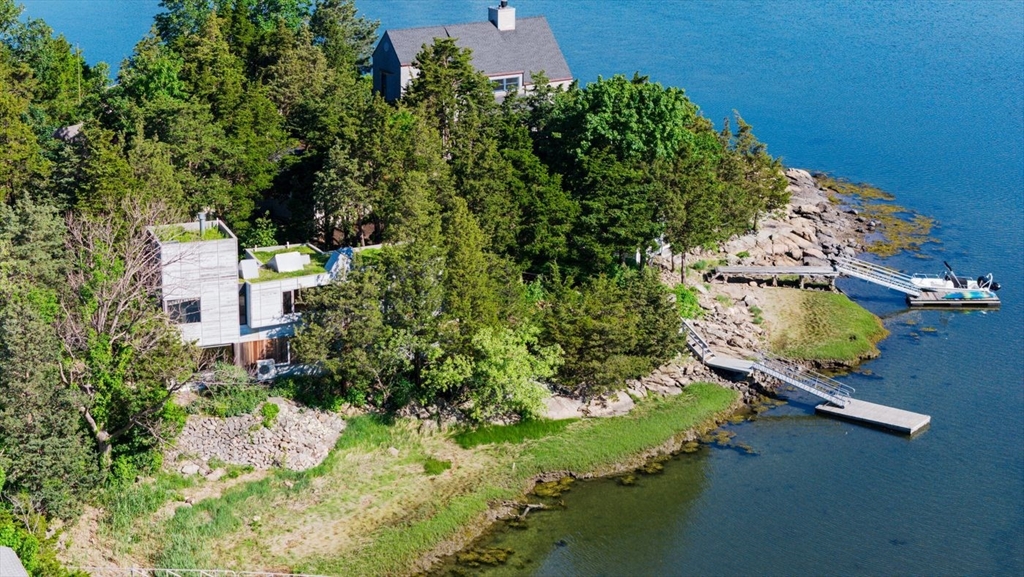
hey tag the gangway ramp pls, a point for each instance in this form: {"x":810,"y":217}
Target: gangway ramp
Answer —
{"x":877,"y":274}
{"x":839,"y":401}
{"x":805,"y":379}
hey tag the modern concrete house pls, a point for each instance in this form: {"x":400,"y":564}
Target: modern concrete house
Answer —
{"x":506,"y":50}
{"x":247,"y":308}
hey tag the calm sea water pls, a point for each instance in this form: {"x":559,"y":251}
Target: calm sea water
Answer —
{"x":924,"y":99}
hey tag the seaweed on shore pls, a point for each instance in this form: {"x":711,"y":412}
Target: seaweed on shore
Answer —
{"x":902,"y":229}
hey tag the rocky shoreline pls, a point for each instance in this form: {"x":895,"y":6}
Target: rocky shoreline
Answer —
{"x":808,"y":232}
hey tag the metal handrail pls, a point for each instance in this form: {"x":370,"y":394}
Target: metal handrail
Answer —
{"x":702,"y":348}
{"x":806,"y":379}
{"x":877,"y":274}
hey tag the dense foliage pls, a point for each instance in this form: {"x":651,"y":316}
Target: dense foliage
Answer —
{"x":516,"y":234}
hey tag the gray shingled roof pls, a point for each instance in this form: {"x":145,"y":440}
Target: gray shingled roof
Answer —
{"x":531,"y":47}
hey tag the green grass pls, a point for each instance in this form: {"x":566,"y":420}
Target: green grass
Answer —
{"x":395,"y":548}
{"x":743,"y":254}
{"x":595,"y":444}
{"x":264,"y":256}
{"x":432,"y":466}
{"x":125,"y":504}
{"x":229,"y":400}
{"x":701,"y":265}
{"x":195,"y":536}
{"x":831,"y":327}
{"x":686,"y":303}
{"x":516,"y":433}
{"x":317,"y":261}
{"x":756,"y":312}
{"x":175,"y":233}
{"x":367,"y":256}
{"x":724,"y":300}
{"x":583,"y":446}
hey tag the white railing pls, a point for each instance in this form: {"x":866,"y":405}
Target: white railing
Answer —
{"x":878,"y":274}
{"x":815,"y":383}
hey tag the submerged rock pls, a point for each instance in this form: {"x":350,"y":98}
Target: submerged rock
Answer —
{"x":491,"y":556}
{"x":553,"y":489}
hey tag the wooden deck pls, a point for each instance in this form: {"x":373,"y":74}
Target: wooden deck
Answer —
{"x":777,"y":270}
{"x":878,"y":415}
{"x":774,"y":272}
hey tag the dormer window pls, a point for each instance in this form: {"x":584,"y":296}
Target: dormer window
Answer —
{"x":506,"y":84}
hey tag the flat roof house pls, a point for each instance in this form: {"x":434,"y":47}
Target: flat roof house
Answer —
{"x":505,"y":49}
{"x":248,"y":307}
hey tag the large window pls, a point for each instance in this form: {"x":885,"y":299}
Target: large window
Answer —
{"x":184,"y":311}
{"x":290,"y":302}
{"x":243,"y":313}
{"x":507,"y":84}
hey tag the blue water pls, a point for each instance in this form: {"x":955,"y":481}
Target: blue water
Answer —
{"x":924,"y":99}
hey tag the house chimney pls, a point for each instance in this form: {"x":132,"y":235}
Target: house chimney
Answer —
{"x":202,"y":223}
{"x":503,"y":16}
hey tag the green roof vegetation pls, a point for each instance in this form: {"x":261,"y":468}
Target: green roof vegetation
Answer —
{"x":264,"y":256}
{"x":317,"y":261}
{"x":178,"y":233}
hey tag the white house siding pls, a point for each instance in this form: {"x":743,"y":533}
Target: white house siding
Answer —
{"x":205,"y":270}
{"x":265,"y":304}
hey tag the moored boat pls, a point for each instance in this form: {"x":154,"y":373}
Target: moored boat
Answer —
{"x":950,"y":282}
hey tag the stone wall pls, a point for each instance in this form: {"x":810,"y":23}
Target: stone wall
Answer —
{"x":299,"y":439}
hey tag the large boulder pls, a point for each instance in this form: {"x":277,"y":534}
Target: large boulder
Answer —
{"x":617,"y":404}
{"x":558,"y":407}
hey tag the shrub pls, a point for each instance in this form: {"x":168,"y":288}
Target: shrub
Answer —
{"x":231,"y":393}
{"x":742,"y":254}
{"x":269,"y":412}
{"x":686,"y":303}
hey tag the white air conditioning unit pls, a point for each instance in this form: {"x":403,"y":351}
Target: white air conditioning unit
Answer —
{"x":266,"y":369}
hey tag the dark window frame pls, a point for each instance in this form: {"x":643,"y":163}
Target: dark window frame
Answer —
{"x":291,"y":302}
{"x":185,"y":311}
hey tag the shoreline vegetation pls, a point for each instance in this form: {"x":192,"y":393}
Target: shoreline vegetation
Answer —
{"x":522,"y":271}
{"x":403,"y":496}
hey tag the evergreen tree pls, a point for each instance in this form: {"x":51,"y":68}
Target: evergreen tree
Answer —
{"x":346,"y":39}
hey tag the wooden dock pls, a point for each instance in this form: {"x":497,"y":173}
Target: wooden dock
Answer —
{"x":774,"y":272}
{"x":777,"y":270}
{"x":867,"y":271}
{"x":878,"y":415}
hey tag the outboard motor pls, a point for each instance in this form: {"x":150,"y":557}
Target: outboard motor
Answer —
{"x":986,"y":282}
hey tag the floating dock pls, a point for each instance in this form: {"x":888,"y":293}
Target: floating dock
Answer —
{"x":937,"y":299}
{"x":878,"y":415}
{"x":838,"y":396}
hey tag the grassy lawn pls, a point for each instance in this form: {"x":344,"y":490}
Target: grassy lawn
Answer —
{"x":824,"y":326}
{"x":369,"y":511}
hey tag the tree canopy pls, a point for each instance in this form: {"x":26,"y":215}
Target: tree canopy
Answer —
{"x":514,"y":235}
